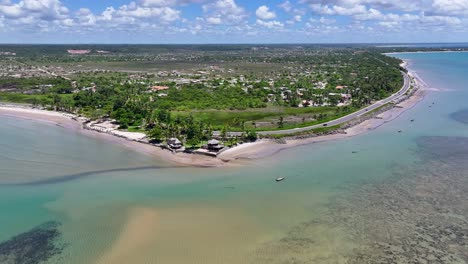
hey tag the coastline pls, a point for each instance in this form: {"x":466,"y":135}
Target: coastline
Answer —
{"x":265,"y":148}
{"x":66,"y":121}
{"x":247,"y":151}
{"x":419,"y":52}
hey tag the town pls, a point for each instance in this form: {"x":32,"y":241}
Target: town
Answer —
{"x":178,"y":96}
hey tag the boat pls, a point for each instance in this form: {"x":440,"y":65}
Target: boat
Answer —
{"x":412,"y":120}
{"x":280,"y":179}
{"x":399,"y":131}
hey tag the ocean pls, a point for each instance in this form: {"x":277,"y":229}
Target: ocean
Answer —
{"x":383,"y":195}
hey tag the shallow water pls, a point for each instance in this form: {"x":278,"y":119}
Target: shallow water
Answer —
{"x":113,"y":205}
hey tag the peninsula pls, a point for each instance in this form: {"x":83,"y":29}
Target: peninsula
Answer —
{"x":209,"y":102}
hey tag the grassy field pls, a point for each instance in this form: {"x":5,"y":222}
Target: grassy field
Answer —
{"x":136,"y":129}
{"x":254,"y":119}
{"x":148,"y":66}
{"x":267,"y":118}
{"x":29,"y":98}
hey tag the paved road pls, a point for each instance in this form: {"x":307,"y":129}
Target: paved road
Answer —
{"x":340,"y":120}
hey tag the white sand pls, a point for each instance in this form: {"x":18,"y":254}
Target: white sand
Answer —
{"x":197,"y":234}
{"x":256,"y":150}
{"x":23,"y":112}
{"x":65,"y":120}
{"x":130,"y":135}
{"x":135,"y":239}
{"x":266,"y":148}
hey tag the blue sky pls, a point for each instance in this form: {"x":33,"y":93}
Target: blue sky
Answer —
{"x":233,"y":21}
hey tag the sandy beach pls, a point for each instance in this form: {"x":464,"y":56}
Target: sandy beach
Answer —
{"x":265,"y":148}
{"x":25,"y":112}
{"x":247,"y":151}
{"x":66,"y":121}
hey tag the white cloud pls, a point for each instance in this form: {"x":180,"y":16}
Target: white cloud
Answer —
{"x":402,"y":5}
{"x":158,"y":3}
{"x":214,"y":20}
{"x":338,"y":10}
{"x":270,"y":24}
{"x":450,"y":7}
{"x":294,"y":20}
{"x":327,"y":21}
{"x":264,"y":13}
{"x":286,"y":6}
{"x":224,"y":11}
{"x":162,"y":14}
{"x":171,"y":3}
{"x":11,"y":11}
{"x":440,"y":20}
{"x":371,"y":14}
{"x":131,"y":16}
{"x":85,"y":17}
{"x":227,"y":17}
{"x":353,"y":7}
{"x":41,"y":9}
{"x":389,"y":24}
{"x":396,"y":15}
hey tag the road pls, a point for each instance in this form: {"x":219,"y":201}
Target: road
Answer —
{"x":341,"y":120}
{"x":45,"y":71}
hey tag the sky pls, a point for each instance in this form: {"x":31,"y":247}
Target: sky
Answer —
{"x":233,"y":21}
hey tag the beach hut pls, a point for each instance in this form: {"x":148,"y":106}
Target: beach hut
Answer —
{"x":174,"y":143}
{"x":215,"y":145}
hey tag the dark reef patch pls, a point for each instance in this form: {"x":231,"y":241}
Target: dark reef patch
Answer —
{"x":460,"y":116}
{"x":32,"y":247}
{"x":443,"y":149}
{"x":420,"y":215}
{"x":420,"y":218}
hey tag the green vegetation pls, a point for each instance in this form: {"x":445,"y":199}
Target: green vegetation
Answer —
{"x":45,"y":100}
{"x":190,"y":91}
{"x":316,"y":131}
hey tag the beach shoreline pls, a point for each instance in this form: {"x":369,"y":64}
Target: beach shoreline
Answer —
{"x":419,"y":52}
{"x":248,"y":151}
{"x":66,"y":121}
{"x":262,"y":149}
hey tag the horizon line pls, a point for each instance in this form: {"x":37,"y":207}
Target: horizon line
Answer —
{"x":253,"y":43}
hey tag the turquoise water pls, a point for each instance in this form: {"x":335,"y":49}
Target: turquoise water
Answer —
{"x":106,"y":198}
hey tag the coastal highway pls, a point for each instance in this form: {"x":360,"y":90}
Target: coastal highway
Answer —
{"x":341,"y":120}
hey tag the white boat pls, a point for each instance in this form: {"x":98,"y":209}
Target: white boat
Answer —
{"x":280,"y":179}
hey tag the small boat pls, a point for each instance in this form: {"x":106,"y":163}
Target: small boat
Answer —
{"x":354,"y":152}
{"x":399,"y":131}
{"x":280,"y":179}
{"x":412,"y":120}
